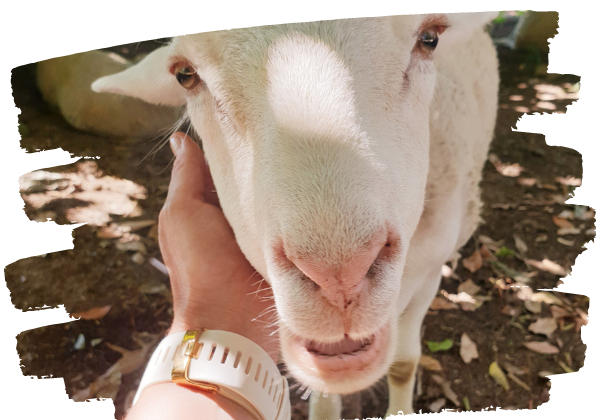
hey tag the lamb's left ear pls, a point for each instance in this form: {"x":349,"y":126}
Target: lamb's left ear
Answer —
{"x":148,"y":80}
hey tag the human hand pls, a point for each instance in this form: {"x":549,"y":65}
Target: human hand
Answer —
{"x":213,"y":284}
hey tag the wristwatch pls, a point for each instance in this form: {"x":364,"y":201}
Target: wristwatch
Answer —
{"x":225,"y":363}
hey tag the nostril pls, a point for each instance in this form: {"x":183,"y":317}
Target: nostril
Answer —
{"x":374,"y":269}
{"x":390,"y":250}
{"x":305,"y":278}
{"x":343,"y":280}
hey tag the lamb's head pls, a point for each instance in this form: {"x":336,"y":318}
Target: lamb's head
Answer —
{"x":317,"y":136}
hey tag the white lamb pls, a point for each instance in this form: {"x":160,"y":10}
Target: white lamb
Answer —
{"x":347,"y":156}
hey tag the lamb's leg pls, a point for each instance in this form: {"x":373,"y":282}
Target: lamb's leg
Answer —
{"x":324,"y":408}
{"x":401,"y":374}
{"x":401,"y":382}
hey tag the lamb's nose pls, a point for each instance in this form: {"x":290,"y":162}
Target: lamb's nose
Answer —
{"x":341,"y":285}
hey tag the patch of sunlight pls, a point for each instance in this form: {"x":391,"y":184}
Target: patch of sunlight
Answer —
{"x":95,"y":197}
{"x":545,"y":95}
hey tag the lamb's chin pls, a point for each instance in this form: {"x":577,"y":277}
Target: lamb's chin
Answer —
{"x":343,"y":367}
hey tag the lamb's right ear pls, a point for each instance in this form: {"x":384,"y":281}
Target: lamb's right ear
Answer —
{"x":148,"y":80}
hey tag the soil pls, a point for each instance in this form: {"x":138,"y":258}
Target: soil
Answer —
{"x":101,"y":272}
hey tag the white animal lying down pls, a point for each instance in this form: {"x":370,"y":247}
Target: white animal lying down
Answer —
{"x":64,"y":84}
{"x":347,"y":156}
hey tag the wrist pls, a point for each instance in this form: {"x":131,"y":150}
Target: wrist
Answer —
{"x":169,"y":400}
{"x":224,"y":363}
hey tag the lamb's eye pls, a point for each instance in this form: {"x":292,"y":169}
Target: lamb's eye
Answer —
{"x":428,"y":39}
{"x":186,"y":76}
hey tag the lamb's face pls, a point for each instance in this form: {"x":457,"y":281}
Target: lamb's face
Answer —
{"x":317,"y":136}
{"x":318,"y":147}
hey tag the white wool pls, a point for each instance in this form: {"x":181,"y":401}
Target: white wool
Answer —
{"x":319,"y":135}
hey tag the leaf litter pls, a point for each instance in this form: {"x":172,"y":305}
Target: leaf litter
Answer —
{"x":468,"y":349}
{"x":497,"y":374}
{"x":94,"y":313}
{"x":107,"y":385}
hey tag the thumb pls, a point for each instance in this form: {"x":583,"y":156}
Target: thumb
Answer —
{"x":188,"y":179}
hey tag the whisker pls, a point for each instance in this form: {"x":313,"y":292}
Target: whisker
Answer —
{"x":306,"y":394}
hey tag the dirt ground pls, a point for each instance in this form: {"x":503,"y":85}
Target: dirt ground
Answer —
{"x":528,"y":236}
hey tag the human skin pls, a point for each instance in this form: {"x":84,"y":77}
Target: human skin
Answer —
{"x":213,"y":285}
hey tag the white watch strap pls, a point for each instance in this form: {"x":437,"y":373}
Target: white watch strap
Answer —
{"x":241,"y":369}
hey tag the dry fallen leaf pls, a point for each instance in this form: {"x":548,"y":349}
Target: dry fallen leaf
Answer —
{"x":558,"y":312}
{"x":458,"y":298}
{"x":131,"y":360}
{"x":548,"y":266}
{"x":590,"y":214}
{"x":446,"y":389}
{"x":135,"y":225}
{"x":474,"y":262}
{"x":524,"y":292}
{"x":498,"y":375}
{"x":568,"y":231}
{"x":528,"y":182}
{"x":94,"y":313}
{"x":547,"y":297}
{"x":542,"y":347}
{"x":510,"y":170}
{"x":510,"y":368}
{"x":490,"y":243}
{"x":583,"y":316}
{"x":468,"y":349}
{"x":470,"y":305}
{"x":520,"y":244}
{"x":107,"y":385}
{"x":533,"y":306}
{"x":570,"y":181}
{"x":135,"y":246}
{"x":437,"y":405}
{"x":561,"y":223}
{"x":545,"y":326}
{"x":138,"y":258}
{"x":565,"y":242}
{"x":439,"y":303}
{"x":469,"y":287}
{"x":430,"y":363}
{"x":545,"y":373}
{"x":486,"y":254}
{"x":566,"y":214}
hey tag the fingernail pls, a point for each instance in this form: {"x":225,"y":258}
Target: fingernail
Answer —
{"x":175,"y":144}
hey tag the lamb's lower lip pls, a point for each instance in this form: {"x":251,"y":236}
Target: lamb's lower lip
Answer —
{"x":342,"y":366}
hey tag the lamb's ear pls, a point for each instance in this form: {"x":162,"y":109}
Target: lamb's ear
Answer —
{"x":148,"y":80}
{"x":461,"y":26}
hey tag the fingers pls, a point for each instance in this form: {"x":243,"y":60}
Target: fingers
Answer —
{"x":190,"y":178}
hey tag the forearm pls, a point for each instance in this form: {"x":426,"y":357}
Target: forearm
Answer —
{"x":169,"y":401}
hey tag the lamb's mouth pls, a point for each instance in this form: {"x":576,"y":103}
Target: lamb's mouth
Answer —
{"x":340,"y":360}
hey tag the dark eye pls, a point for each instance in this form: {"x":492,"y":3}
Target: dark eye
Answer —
{"x":428,"y":39}
{"x":186,"y":76}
